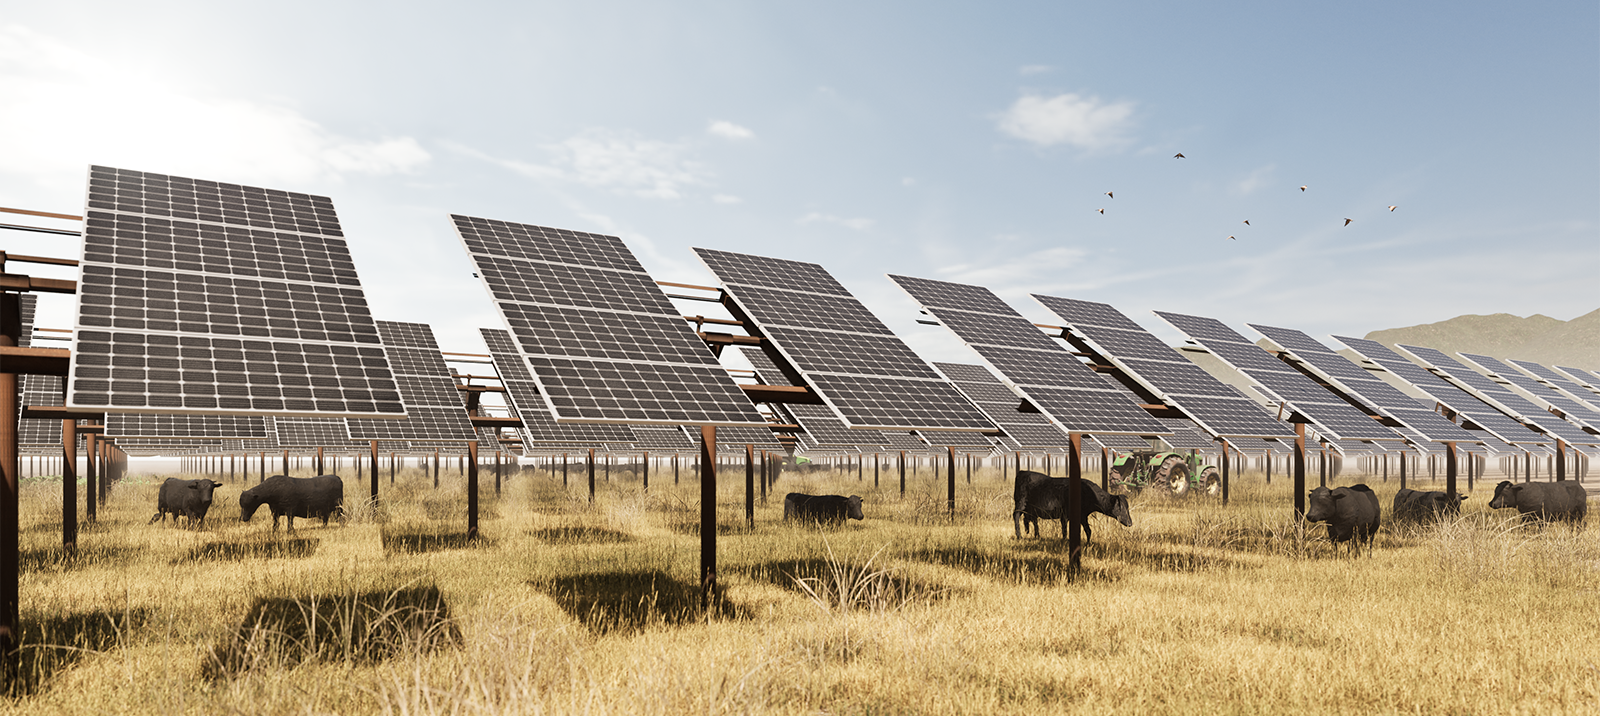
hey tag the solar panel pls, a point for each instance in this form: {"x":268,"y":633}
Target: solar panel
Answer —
{"x":179,"y":425}
{"x":311,"y":432}
{"x":1499,"y":396}
{"x":1561,"y":381}
{"x":603,"y":343}
{"x":1163,"y":371}
{"x":202,"y":297}
{"x":1039,"y":368}
{"x":735,"y":438}
{"x":856,"y":365}
{"x":665,"y":438}
{"x":1574,"y":410}
{"x":1444,"y":392}
{"x":1329,"y":412}
{"x":522,"y":395}
{"x":1123,"y":443}
{"x":940,"y":439}
{"x":896,"y":441}
{"x":1186,"y":435}
{"x":1587,"y":379}
{"x":435,"y":410}
{"x":1000,"y":404}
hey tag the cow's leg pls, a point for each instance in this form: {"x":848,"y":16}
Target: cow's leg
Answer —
{"x":1088,"y":535}
{"x":1016,"y":522}
{"x":291,"y":521}
{"x":274,"y":522}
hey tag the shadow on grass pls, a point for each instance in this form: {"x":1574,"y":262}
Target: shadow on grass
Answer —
{"x":626,"y":602}
{"x":785,"y":573}
{"x":59,"y":559}
{"x":1033,"y":569}
{"x":441,"y":509}
{"x":580,"y":535}
{"x":53,"y":644}
{"x":724,"y":527}
{"x":418,"y":542}
{"x":237,"y":550}
{"x":353,"y":628}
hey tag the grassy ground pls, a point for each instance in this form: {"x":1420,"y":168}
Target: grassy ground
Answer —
{"x":567,"y":607}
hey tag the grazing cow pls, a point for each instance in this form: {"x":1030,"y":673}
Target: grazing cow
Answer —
{"x":1543,"y":501}
{"x":1422,"y":506}
{"x":320,"y":496}
{"x":1040,"y":496}
{"x":829,"y":509}
{"x":1352,"y":514}
{"x":187,"y":498}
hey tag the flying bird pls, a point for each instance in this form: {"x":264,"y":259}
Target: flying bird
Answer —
{"x":1347,"y":221}
{"x":1109,"y":194}
{"x":1246,"y":222}
{"x":1392,"y":208}
{"x":1232,"y":238}
{"x":1179,"y":155}
{"x":1302,"y":187}
{"x":1101,"y":210}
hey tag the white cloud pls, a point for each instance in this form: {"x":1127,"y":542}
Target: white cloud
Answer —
{"x":1036,"y":268}
{"x":618,"y":160}
{"x":1033,"y":69}
{"x":729,"y":130}
{"x":1084,"y":122}
{"x":66,"y":108}
{"x":726,"y":199}
{"x":1257,"y":179}
{"x":856,"y":223}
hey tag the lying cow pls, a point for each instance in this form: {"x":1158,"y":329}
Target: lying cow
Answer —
{"x":1040,"y":496}
{"x":185,"y":498}
{"x":1422,"y":506}
{"x":1543,"y":501}
{"x":827,"y":509}
{"x":320,"y":496}
{"x":1352,"y":514}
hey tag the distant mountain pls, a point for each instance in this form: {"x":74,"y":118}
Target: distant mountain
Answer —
{"x":1538,"y":338}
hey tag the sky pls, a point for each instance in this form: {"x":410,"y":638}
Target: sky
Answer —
{"x":965,"y":142}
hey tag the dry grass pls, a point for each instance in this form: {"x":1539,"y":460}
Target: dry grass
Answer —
{"x":566,"y":606}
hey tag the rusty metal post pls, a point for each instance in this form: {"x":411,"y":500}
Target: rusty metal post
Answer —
{"x":563,"y":469}
{"x":1071,"y":525}
{"x":472,"y":489}
{"x":391,"y":468}
{"x":373,"y":456}
{"x":69,"y":484}
{"x":708,"y":516}
{"x":10,"y":558}
{"x":1561,"y":460}
{"x":436,"y":468}
{"x":950,"y":475}
{"x":1105,"y":470}
{"x":766,"y":473}
{"x":1299,"y":469}
{"x":1227,"y":457}
{"x":902,"y":473}
{"x":750,"y":484}
{"x":876,"y":463}
{"x":1450,"y":470}
{"x":1402,"y":469}
{"x":591,"y":475}
{"x":319,"y":460}
{"x":646,"y":472}
{"x":497,"y":473}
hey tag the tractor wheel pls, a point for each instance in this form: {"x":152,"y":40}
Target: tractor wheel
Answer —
{"x":1212,"y":480}
{"x":1178,"y":480}
{"x":1162,"y":476}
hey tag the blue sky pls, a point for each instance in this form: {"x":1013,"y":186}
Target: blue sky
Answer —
{"x":964,"y":142}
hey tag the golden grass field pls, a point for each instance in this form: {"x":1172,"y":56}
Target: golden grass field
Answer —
{"x":567,"y":607}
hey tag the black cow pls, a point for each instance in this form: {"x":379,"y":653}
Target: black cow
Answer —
{"x":1543,"y":501}
{"x":830,"y":509}
{"x":320,"y":496}
{"x":1040,"y":496}
{"x":186,"y":498}
{"x":1422,"y":506}
{"x":1352,"y":514}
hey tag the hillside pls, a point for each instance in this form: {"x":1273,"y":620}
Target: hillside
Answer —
{"x":1537,"y":338}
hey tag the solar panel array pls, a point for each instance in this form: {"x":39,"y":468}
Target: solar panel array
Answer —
{"x":1171,"y":377}
{"x":733,"y":439}
{"x":1330,"y":413}
{"x":1000,"y":404}
{"x":522,"y":394}
{"x":1370,"y":389}
{"x":962,"y":442}
{"x":198,"y":296}
{"x":1574,"y":410}
{"x":820,"y":423}
{"x":1500,"y":396}
{"x":1046,"y":373}
{"x":1444,"y":392}
{"x":603,"y":343}
{"x":1588,"y":379}
{"x":844,"y":353}
{"x":1186,"y":435}
{"x":434,"y":408}
{"x":1560,"y":381}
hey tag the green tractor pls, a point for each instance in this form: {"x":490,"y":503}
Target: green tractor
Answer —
{"x":1173,"y":473}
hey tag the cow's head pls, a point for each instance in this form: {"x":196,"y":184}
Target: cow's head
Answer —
{"x":1323,"y":501}
{"x":854,"y":512}
{"x":1505,"y":495}
{"x":1443,"y":503}
{"x":204,"y":488}
{"x":249,"y":501}
{"x":1119,"y":510}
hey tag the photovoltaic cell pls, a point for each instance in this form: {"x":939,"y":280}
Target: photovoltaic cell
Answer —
{"x":1445,"y":393}
{"x":602,"y":343}
{"x":1216,"y":407}
{"x":1042,"y":370}
{"x":858,"y":367}
{"x":1329,"y":412}
{"x":202,"y":297}
{"x":522,"y":394}
{"x":1493,"y":393}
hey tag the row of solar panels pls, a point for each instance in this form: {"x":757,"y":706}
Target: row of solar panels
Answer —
{"x":208,"y":301}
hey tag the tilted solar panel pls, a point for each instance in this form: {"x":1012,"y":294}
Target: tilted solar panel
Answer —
{"x":1045,"y":372}
{"x":180,"y":426}
{"x":1123,"y":443}
{"x":202,"y":297}
{"x":856,"y":365}
{"x":312,"y":432}
{"x":522,"y":394}
{"x":603,"y":343}
{"x":1000,"y":404}
{"x":1445,"y":393}
{"x":1353,"y":379}
{"x":1330,"y":413}
{"x":1560,"y":380}
{"x":1217,"y":408}
{"x":1543,"y":395}
{"x":1187,"y":436}
{"x":1501,"y":397}
{"x":435,"y":410}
